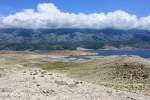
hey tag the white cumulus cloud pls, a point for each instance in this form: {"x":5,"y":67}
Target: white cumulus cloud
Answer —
{"x":47,"y":15}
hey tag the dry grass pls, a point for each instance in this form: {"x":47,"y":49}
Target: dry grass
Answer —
{"x":122,"y":73}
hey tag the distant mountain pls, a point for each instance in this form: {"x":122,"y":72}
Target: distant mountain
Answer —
{"x":52,"y":39}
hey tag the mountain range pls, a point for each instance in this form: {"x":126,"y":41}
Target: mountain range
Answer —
{"x":60,"y":39}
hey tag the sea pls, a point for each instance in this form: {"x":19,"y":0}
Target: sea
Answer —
{"x":141,"y":53}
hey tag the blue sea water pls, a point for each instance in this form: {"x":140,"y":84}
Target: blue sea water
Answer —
{"x":141,"y":53}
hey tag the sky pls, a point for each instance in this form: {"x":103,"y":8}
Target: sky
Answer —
{"x":137,"y":7}
{"x":120,"y":14}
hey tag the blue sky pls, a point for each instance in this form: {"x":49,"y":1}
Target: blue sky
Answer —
{"x":95,"y":14}
{"x":137,"y":7}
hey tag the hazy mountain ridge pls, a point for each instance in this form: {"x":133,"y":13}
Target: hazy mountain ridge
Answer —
{"x":51,"y":39}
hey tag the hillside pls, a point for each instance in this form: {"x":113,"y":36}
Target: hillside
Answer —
{"x":33,"y":76}
{"x":59,"y":39}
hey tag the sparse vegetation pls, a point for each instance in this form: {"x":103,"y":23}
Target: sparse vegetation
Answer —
{"x":70,"y":39}
{"x":119,"y":73}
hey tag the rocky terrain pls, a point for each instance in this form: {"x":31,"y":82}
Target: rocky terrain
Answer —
{"x":22,"y":78}
{"x":64,"y":39}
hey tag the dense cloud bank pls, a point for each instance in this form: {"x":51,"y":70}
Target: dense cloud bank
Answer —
{"x":47,"y":15}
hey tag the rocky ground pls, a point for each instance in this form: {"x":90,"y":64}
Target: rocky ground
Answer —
{"x":19,"y":81}
{"x":37,"y":84}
